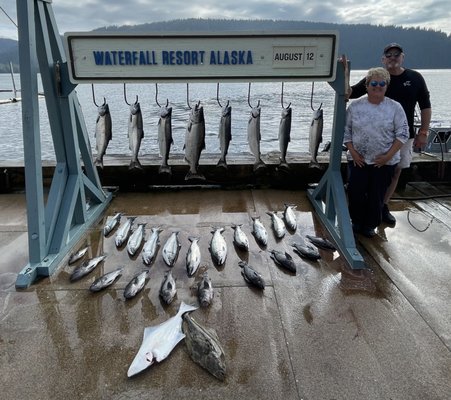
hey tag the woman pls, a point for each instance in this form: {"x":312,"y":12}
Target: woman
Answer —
{"x":376,"y":128}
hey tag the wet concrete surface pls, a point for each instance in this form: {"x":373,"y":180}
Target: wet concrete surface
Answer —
{"x":326,"y":332}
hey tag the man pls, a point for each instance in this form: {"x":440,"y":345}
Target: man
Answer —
{"x":408,"y":88}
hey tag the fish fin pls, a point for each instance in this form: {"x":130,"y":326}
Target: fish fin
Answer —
{"x":192,"y":175}
{"x":315,"y":164}
{"x":161,"y":355}
{"x":98,"y":163}
{"x":165,"y":169}
{"x":222,"y":163}
{"x":184,"y":308}
{"x":135,"y":164}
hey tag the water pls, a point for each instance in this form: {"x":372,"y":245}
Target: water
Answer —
{"x":298,"y":93}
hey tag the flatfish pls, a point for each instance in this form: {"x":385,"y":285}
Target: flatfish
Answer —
{"x":158,"y":341}
{"x":204,"y":347}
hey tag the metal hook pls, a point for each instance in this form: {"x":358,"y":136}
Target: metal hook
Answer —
{"x":156,"y":96}
{"x":311,"y":99}
{"x":249,"y":97}
{"x":94,"y":97}
{"x":217,"y":96}
{"x":281,"y":100}
{"x":125,"y":96}
{"x":187,"y":98}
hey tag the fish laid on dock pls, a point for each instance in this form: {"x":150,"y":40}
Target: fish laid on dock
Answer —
{"x":85,"y":268}
{"x":254,"y":137}
{"x":195,"y":141}
{"x":251,"y":276}
{"x":225,"y":133}
{"x":78,"y":255}
{"x":165,"y":140}
{"x":284,"y":135}
{"x":218,"y":247}
{"x":158,"y":341}
{"x":136,"y":285}
{"x":277,"y":224}
{"x":168,"y":289}
{"x":204,"y":347}
{"x":135,"y":240}
{"x":135,"y":133}
{"x":103,"y":132}
{"x":123,"y":231}
{"x":290,"y":217}
{"x":111,"y":223}
{"x":150,"y":248}
{"x":306,"y":251}
{"x":205,"y":291}
{"x":240,"y":238}
{"x":171,"y":249}
{"x":193,"y":256}
{"x":259,"y":232}
{"x":106,"y":280}
{"x":284,"y":260}
{"x":321,"y":243}
{"x":315,"y":137}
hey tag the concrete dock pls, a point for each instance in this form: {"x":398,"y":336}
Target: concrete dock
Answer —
{"x":326,"y":332}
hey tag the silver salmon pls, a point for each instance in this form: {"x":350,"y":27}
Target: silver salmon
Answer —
{"x":290,"y":217}
{"x":103,"y":132}
{"x":158,"y":341}
{"x":225,"y":134}
{"x":111,"y":224}
{"x":259,"y":231}
{"x":277,"y":224}
{"x":193,"y":256}
{"x":240,"y":238}
{"x":106,"y":280}
{"x":135,"y":134}
{"x":150,"y":248}
{"x":78,"y":255}
{"x":315,"y":137}
{"x":204,"y":347}
{"x":85,"y":268}
{"x":254,"y":137}
{"x":165,"y":140}
{"x":123,"y":231}
{"x":136,"y":285}
{"x":195,"y":141}
{"x":284,"y":135}
{"x":218,"y":247}
{"x":171,"y":249}
{"x":135,"y":240}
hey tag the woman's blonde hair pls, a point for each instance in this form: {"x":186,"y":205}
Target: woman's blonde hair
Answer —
{"x":377,"y":72}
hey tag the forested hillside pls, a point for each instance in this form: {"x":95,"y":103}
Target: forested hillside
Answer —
{"x":361,"y":43}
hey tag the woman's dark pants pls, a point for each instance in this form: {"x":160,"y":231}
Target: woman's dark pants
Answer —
{"x":366,"y":192}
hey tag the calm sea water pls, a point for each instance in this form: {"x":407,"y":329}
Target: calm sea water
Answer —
{"x":269,"y":95}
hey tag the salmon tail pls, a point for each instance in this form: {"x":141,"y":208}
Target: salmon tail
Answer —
{"x":135,"y":164}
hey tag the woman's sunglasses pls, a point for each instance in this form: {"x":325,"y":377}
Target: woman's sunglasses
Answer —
{"x":380,"y":83}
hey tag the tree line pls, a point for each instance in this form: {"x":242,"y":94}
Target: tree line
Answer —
{"x":362,"y":43}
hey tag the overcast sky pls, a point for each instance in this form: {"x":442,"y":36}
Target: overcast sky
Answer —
{"x":85,"y":15}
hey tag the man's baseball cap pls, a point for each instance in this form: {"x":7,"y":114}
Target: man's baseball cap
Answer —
{"x":393,"y":46}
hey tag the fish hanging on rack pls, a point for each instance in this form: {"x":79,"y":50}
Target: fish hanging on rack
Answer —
{"x":254,"y":136}
{"x":165,"y":138}
{"x":194,"y":141}
{"x":135,"y":133}
{"x":315,"y":137}
{"x":225,"y":133}
{"x":284,"y":135}
{"x":103,"y":132}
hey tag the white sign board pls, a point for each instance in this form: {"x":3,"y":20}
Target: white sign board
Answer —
{"x":208,"y":57}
